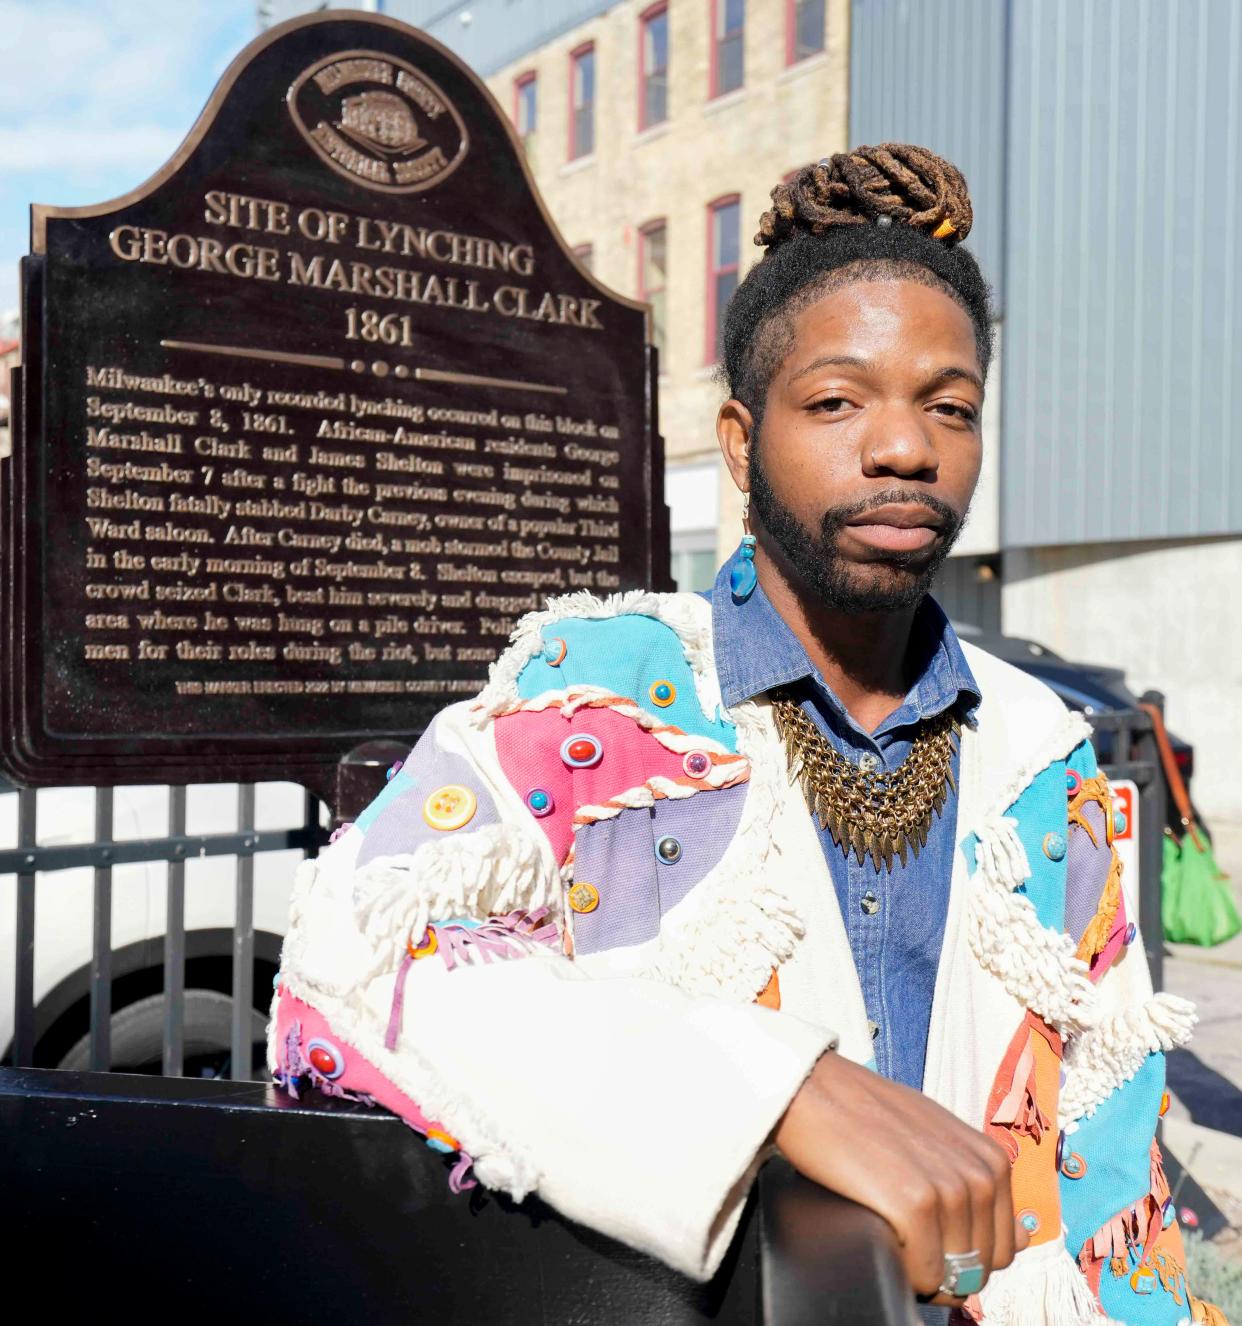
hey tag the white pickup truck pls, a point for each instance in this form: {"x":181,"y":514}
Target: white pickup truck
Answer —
{"x":63,"y":912}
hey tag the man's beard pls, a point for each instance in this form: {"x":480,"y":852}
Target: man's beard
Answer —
{"x":890,"y":581}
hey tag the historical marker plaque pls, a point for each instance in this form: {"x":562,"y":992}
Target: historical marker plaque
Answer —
{"x":305,"y":423}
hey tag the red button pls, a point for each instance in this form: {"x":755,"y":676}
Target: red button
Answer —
{"x":581,"y":750}
{"x":322,"y":1059}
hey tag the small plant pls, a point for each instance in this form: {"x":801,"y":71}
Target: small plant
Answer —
{"x":1214,"y":1276}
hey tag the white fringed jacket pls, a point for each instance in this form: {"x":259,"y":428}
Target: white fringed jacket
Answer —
{"x":506,"y":950}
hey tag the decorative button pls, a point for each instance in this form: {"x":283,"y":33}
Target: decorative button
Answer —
{"x":1073,"y":1166}
{"x":581,"y":751}
{"x":1131,"y":931}
{"x":438,"y":1140}
{"x":697,"y":764}
{"x":554,"y":652}
{"x":450,"y":807}
{"x":1073,"y":781}
{"x":1188,"y":1217}
{"x":325,"y":1058}
{"x":1119,"y":823}
{"x":1143,"y":1281}
{"x":1164,"y":1104}
{"x":1029,"y":1220}
{"x":868,"y":762}
{"x":1168,"y":1213}
{"x":669,"y":850}
{"x":584,"y":898}
{"x":1054,"y":846}
{"x":1060,"y":1147}
{"x":662,"y":693}
{"x":539,"y":802}
{"x":426,"y":947}
{"x":393,"y":771}
{"x":870,"y":903}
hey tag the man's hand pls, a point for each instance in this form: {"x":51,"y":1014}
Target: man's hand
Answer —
{"x":941,"y":1185}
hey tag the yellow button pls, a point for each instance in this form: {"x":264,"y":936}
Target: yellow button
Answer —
{"x":450,"y":806}
{"x":584,"y":898}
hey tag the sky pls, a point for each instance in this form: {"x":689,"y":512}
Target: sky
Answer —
{"x":96,"y":94}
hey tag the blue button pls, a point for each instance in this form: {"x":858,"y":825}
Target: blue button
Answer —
{"x":1119,"y":822}
{"x":1054,"y":846}
{"x":1131,"y":931}
{"x":539,"y":802}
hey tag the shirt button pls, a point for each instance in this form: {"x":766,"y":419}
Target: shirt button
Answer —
{"x":868,"y":762}
{"x":870,"y":903}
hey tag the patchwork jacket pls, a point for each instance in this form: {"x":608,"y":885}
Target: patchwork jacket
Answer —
{"x":586,"y":942}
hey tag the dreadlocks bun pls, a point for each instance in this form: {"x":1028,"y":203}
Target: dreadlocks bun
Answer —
{"x":895,"y":182}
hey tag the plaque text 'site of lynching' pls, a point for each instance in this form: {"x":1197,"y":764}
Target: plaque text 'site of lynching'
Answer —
{"x":305,"y":423}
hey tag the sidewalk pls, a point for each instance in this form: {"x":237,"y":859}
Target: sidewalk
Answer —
{"x":1204,"y":1124}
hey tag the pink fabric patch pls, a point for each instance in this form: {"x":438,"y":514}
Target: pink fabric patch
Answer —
{"x":1115,"y":943}
{"x":360,"y":1074}
{"x":528,"y":744}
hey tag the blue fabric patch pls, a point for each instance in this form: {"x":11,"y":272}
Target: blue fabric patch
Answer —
{"x":1121,"y":1303}
{"x":1116,"y":1144}
{"x":1040,"y":810}
{"x":625,"y":655}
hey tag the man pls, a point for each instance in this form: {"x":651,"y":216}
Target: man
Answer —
{"x":590,"y":940}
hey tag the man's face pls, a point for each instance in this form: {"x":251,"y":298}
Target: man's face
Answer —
{"x":870,"y":443}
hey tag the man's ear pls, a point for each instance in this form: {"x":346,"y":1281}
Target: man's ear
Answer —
{"x":734,"y":428}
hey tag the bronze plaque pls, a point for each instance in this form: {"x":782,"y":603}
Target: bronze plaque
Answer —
{"x":305,"y":423}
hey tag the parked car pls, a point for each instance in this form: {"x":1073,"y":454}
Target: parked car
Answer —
{"x":1088,"y":687}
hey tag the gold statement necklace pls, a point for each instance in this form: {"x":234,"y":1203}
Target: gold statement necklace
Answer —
{"x":879,"y":814}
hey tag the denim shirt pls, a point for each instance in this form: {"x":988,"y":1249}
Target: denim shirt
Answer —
{"x":894,"y":918}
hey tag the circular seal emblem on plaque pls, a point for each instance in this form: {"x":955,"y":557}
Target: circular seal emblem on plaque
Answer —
{"x":376,"y":119}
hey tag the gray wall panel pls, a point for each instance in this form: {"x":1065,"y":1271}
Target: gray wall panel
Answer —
{"x":933,"y":72}
{"x":1124,"y":280}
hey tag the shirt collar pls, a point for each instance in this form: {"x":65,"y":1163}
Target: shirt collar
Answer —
{"x":756,"y":651}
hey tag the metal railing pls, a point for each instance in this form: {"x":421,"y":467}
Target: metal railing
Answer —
{"x":29,"y":859}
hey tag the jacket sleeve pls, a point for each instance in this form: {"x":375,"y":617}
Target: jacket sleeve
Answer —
{"x":426,"y":951}
{"x":1119,"y":1214}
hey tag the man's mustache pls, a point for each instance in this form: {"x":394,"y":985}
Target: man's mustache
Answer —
{"x":837,"y":517}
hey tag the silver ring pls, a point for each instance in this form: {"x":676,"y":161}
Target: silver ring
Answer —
{"x":963,"y":1274}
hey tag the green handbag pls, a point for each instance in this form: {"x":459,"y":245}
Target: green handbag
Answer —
{"x":1196,"y":897}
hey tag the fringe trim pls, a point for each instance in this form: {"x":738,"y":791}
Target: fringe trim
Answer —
{"x":1114,"y":1050}
{"x":735,"y":928}
{"x":498,"y":1165}
{"x":688,"y":615}
{"x":1043,"y":1287}
{"x":1035,"y":964}
{"x":498,"y":868}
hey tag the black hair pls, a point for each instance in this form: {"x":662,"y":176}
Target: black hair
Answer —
{"x":893,"y":212}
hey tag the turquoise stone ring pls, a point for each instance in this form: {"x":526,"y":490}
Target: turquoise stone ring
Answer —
{"x":963,"y":1274}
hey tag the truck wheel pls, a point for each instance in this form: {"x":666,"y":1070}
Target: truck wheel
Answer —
{"x":138,"y":1037}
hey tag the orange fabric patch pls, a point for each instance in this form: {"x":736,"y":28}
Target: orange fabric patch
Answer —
{"x":770,"y":995}
{"x":1032,"y":1150}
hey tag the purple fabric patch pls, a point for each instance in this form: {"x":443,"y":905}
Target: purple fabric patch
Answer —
{"x":636,"y":888}
{"x":1087,"y":867}
{"x":400,"y":829}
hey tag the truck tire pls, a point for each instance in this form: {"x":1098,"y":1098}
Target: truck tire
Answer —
{"x":138,"y":1037}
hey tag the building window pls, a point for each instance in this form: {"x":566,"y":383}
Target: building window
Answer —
{"x":585,"y":253}
{"x":525,"y":105}
{"x":693,"y":496}
{"x":581,"y":102}
{"x":728,"y":30}
{"x":652,"y":279}
{"x":653,"y":66}
{"x":723,"y":253}
{"x":804,"y":29}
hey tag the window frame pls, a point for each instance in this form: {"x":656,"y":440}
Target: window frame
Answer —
{"x":578,"y":52}
{"x":713,"y":88}
{"x":520,"y":83}
{"x":652,"y":11}
{"x":644,"y":232}
{"x":711,"y":273}
{"x":791,"y":28}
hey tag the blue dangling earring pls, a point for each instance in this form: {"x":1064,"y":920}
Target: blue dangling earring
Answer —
{"x":742,"y":575}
